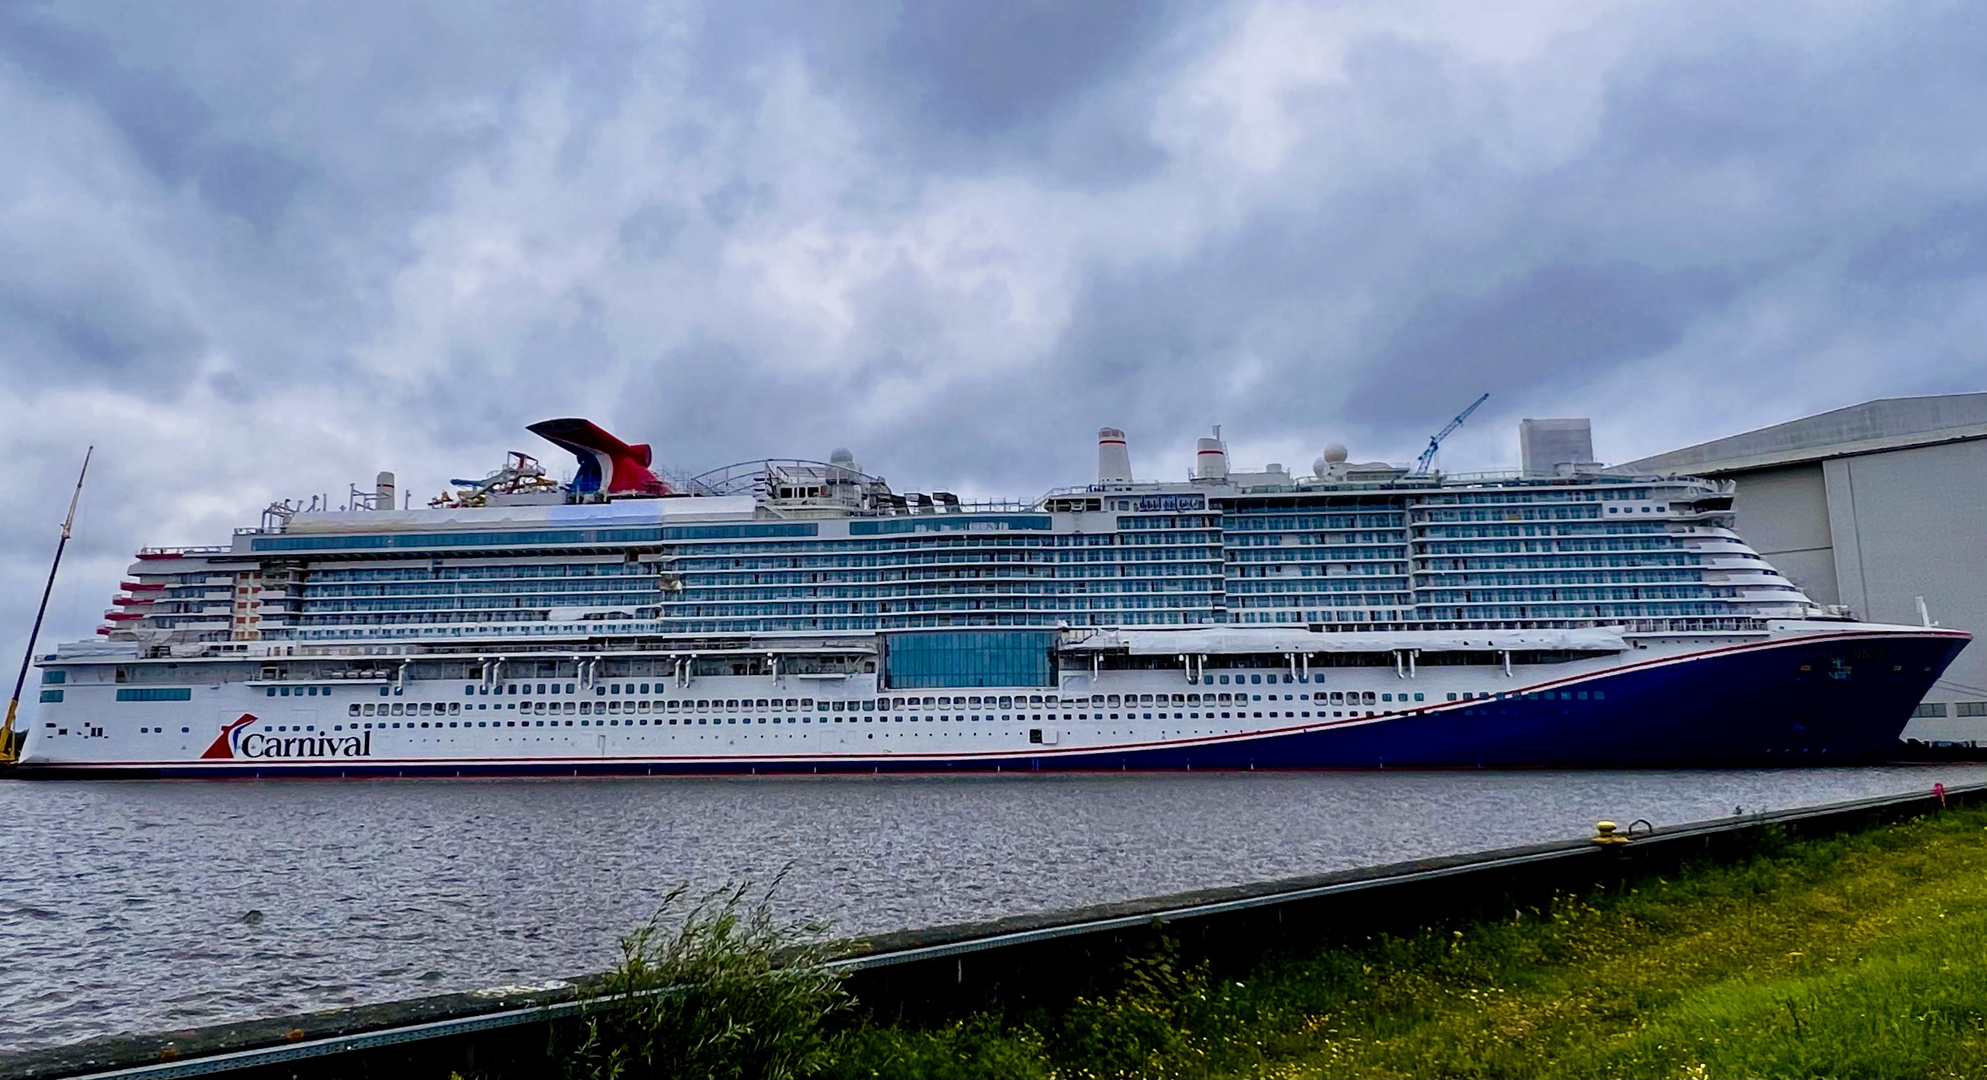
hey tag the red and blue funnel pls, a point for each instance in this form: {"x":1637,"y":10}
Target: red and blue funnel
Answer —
{"x":606,"y":463}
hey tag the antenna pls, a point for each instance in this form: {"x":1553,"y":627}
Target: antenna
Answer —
{"x":10,"y":743}
{"x":1427,"y":458}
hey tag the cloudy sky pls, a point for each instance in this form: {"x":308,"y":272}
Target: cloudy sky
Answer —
{"x":263,"y":249}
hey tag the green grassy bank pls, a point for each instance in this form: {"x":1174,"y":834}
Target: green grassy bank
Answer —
{"x":1858,"y":955}
{"x":1861,"y":955}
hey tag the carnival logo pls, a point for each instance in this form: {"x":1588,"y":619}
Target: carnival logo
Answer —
{"x":231,"y":743}
{"x":224,"y":743}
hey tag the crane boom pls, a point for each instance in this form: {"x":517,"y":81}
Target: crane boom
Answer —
{"x":10,"y":740}
{"x":1427,"y":458}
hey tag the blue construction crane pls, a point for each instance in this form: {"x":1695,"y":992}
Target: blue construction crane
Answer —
{"x":1435,"y":441}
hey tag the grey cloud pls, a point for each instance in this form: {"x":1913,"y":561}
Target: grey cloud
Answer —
{"x":958,"y":85}
{"x":735,"y":199}
{"x":982,"y":69}
{"x":100,"y":325}
{"x":167,"y":125}
{"x":649,"y":233}
{"x":1948,"y":245}
{"x":1562,"y":323}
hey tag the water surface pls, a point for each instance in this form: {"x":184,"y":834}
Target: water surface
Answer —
{"x":126,"y":906}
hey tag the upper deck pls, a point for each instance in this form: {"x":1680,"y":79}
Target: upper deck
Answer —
{"x":787,"y":546}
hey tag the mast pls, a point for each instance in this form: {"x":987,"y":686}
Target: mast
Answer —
{"x":10,"y":742}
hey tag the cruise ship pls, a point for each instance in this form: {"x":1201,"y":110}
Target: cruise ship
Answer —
{"x":793,"y":616}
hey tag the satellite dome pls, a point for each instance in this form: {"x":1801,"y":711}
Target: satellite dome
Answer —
{"x":1335,"y":454}
{"x":841,"y":456}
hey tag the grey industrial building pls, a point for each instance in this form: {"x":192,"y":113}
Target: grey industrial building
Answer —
{"x":1872,"y":507}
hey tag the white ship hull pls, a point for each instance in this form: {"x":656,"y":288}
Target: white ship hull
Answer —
{"x":1802,"y":693}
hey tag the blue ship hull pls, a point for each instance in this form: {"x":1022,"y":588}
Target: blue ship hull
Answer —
{"x":1825,"y":700}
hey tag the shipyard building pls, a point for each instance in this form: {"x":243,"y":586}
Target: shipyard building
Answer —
{"x":1876,"y":508}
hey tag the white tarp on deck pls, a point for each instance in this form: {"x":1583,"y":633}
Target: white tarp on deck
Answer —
{"x":621,"y":512}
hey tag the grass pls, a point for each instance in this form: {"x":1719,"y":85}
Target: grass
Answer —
{"x":1857,"y":955}
{"x":730,"y":991}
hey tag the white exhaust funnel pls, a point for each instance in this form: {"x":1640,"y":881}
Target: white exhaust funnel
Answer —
{"x":1211,"y":460}
{"x":1113,"y":457}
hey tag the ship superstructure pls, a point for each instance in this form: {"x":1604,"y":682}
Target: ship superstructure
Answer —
{"x":769,"y":615}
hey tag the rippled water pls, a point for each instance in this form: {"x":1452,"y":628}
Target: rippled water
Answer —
{"x":124,"y":906}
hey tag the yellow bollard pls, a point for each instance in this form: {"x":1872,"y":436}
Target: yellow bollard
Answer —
{"x":1604,"y":833}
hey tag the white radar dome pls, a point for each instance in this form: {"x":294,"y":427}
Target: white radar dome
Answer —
{"x":1334,"y":454}
{"x":841,"y":456}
